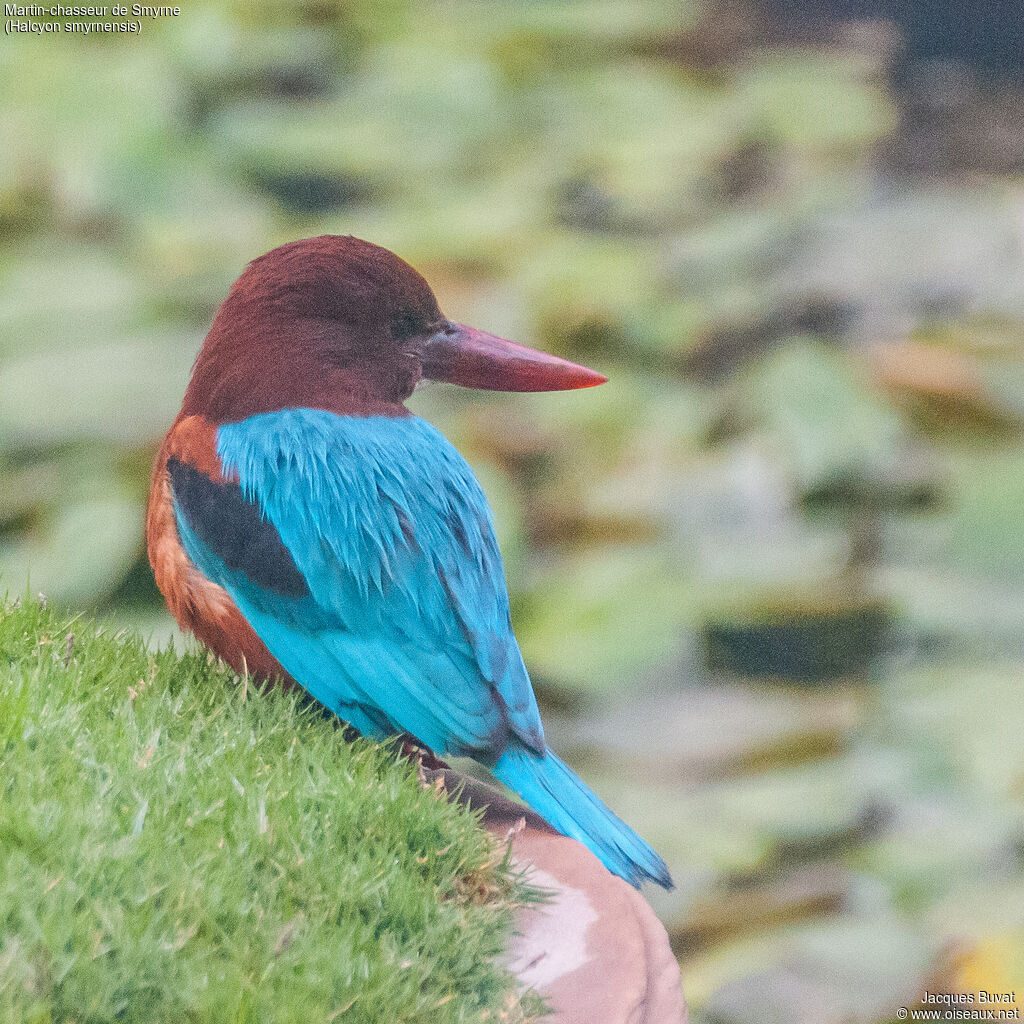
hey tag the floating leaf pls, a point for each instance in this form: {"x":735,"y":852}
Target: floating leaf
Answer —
{"x":600,"y":620}
{"x":126,"y":391}
{"x":78,"y":555}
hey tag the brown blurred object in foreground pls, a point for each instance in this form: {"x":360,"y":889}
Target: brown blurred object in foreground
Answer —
{"x":594,"y":951}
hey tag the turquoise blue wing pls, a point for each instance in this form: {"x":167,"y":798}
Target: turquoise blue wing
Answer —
{"x":381,"y":588}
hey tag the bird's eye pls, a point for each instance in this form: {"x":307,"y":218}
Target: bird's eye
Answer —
{"x":405,"y":325}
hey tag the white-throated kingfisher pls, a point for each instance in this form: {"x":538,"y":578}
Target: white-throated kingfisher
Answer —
{"x":306,"y":526}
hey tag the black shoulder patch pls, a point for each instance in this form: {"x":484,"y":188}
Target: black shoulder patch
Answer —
{"x":234,"y":529}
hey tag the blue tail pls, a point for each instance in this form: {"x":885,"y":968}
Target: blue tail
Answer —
{"x":564,"y":802}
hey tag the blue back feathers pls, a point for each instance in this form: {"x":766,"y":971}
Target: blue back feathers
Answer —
{"x":407,"y":611}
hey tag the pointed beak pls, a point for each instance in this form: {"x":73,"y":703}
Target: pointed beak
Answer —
{"x":475,"y":359}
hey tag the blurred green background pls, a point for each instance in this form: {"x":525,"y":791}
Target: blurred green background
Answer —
{"x":770,"y":578}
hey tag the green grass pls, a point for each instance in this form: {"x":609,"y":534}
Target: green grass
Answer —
{"x":178,"y":847}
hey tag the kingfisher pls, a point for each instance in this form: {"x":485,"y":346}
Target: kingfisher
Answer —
{"x":308,"y":528}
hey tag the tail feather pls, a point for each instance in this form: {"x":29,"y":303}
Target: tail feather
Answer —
{"x":561,"y":798}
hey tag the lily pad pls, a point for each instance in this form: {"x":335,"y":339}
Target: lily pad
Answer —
{"x":851,"y":970}
{"x":597,"y":621}
{"x":709,"y":731}
{"x":80,"y":554}
{"x":824,"y":414}
{"x":126,"y":391}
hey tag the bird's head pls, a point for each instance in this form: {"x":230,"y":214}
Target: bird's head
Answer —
{"x":337,"y":322}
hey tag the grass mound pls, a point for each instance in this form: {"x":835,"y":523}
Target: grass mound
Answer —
{"x":174,"y":848}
